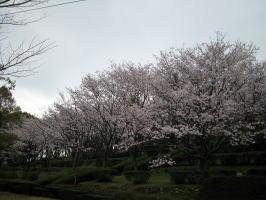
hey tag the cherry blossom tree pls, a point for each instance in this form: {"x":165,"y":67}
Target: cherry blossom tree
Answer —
{"x":133,"y":85}
{"x":208,"y":94}
{"x":98,"y":95}
{"x":31,"y":141}
{"x":69,"y":129}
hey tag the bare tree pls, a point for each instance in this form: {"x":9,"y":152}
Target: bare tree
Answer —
{"x":8,"y":8}
{"x":17,"y":61}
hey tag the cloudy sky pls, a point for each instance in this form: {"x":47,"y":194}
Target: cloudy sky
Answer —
{"x":91,"y":34}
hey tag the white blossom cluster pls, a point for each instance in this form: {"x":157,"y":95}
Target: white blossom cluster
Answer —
{"x":164,"y":160}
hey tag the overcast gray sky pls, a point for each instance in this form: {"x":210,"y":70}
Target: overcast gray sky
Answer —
{"x":91,"y":34}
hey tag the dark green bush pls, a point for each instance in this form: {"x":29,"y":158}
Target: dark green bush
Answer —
{"x":137,"y":177}
{"x":234,"y":188}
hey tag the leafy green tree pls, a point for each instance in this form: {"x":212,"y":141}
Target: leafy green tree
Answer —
{"x":10,"y":115}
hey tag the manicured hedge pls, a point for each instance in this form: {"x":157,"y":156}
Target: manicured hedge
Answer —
{"x":234,"y":188}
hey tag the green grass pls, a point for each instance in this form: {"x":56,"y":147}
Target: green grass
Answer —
{"x":12,"y":196}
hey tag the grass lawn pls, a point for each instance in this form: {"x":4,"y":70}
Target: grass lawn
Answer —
{"x":12,"y":196}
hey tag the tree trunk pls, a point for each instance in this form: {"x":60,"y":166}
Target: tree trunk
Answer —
{"x":105,"y":157}
{"x":134,"y":154}
{"x":74,"y":166}
{"x":204,"y":168}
